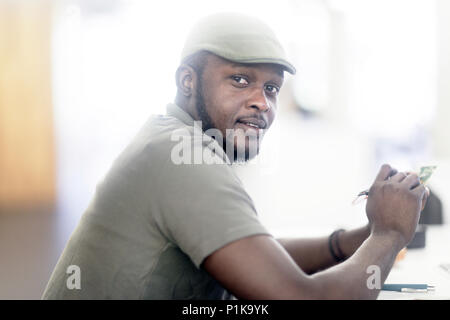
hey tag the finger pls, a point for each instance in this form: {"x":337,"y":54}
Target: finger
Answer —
{"x":385,"y":172}
{"x":398,"y":177}
{"x":420,"y":190}
{"x":411,"y":181}
{"x":425,"y":197}
{"x":393,"y":172}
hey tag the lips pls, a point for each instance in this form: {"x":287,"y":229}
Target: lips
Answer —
{"x":253,"y":123}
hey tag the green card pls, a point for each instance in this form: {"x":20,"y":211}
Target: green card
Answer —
{"x":425,"y":173}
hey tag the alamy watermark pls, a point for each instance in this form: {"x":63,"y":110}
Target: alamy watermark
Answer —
{"x":374,"y":280}
{"x":74,"y":279}
{"x":211,"y":147}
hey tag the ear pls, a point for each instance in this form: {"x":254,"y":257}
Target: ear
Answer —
{"x":185,"y":79}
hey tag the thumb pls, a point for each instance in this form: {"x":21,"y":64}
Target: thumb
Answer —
{"x":426,"y":194}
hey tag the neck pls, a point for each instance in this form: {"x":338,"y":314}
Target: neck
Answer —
{"x":188,"y":107}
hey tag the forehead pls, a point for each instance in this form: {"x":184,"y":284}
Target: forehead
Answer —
{"x":216,"y":62}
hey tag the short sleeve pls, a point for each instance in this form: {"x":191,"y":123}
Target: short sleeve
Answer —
{"x":203,"y":207}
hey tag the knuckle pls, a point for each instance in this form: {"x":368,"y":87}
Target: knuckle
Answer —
{"x":376,"y":186}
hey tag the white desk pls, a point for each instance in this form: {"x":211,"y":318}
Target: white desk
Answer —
{"x":422,"y":266}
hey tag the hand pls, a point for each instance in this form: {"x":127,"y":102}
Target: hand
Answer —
{"x":394,"y":204}
{"x":426,"y":195}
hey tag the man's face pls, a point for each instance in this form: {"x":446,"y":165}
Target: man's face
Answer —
{"x":240,"y":97}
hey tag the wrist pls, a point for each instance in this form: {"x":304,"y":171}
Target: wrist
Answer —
{"x":351,"y":240}
{"x":367,"y":229}
{"x":391,"y":238}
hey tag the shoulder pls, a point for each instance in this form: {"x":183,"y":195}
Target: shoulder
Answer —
{"x":167,"y":151}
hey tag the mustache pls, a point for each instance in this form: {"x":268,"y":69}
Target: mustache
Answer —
{"x":255,"y":119}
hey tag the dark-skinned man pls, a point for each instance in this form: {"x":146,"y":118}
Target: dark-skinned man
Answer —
{"x":171,"y":220}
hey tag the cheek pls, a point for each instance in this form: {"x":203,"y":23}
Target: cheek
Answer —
{"x":219,"y":113}
{"x":226,"y":111}
{"x":212,"y":106}
{"x":271,"y":117}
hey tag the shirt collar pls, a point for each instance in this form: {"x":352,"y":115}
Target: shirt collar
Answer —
{"x":175,"y":111}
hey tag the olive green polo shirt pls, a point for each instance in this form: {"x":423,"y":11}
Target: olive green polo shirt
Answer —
{"x":153,"y":220}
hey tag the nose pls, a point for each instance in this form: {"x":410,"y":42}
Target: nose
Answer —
{"x":258,"y":100}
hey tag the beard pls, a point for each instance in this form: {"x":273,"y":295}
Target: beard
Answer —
{"x":239,"y":155}
{"x":207,"y":122}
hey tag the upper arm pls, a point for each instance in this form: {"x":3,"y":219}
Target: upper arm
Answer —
{"x":203,"y":207}
{"x":258,"y":267}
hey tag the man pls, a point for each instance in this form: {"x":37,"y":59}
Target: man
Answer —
{"x":171,"y":220}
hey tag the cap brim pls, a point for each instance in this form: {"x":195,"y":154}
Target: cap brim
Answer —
{"x":283,"y":63}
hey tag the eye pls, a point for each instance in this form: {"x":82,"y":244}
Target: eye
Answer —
{"x":274,"y":90}
{"x":240,"y":80}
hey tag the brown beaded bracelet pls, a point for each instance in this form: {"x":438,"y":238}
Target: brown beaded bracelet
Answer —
{"x":340,"y":255}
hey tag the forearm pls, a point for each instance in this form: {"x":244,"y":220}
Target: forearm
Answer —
{"x":313,"y":255}
{"x":349,"y":280}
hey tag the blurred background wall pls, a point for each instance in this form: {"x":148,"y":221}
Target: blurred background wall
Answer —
{"x":27,"y":161}
{"x":28,"y":167}
{"x":78,"y":78}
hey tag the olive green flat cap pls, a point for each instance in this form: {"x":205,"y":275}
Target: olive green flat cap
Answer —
{"x":238,"y":38}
